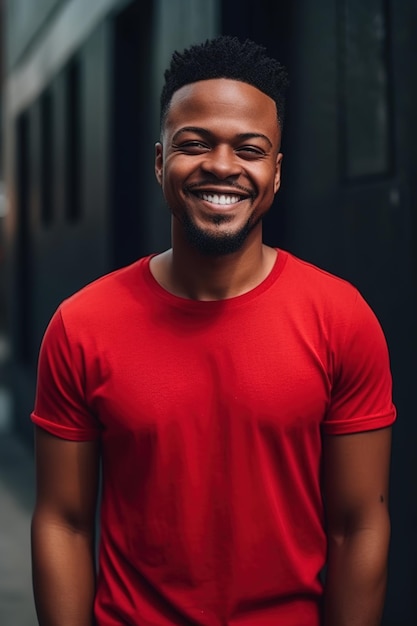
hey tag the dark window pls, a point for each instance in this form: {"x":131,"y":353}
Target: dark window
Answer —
{"x":73,"y":136}
{"x":365,"y":89}
{"x":23,"y":318}
{"x":47,"y":161}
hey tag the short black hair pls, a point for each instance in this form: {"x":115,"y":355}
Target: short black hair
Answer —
{"x":226,"y":57}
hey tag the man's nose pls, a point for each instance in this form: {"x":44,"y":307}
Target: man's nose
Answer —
{"x":222,"y":162}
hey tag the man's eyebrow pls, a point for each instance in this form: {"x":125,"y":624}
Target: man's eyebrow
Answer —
{"x":206,"y":133}
{"x":244,"y":136}
{"x":191,"y":129}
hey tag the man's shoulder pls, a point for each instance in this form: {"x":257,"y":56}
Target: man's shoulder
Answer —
{"x":337,"y":304}
{"x":105,"y":293}
{"x":316,"y":281}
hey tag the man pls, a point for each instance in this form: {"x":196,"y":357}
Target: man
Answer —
{"x":238,"y":398}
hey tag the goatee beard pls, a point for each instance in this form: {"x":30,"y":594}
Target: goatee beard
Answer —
{"x":211,"y":244}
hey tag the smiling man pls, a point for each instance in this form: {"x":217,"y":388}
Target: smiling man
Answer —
{"x":237,"y":398}
{"x":219,"y":162}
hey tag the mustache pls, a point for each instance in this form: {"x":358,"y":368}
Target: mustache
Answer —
{"x":230,"y":184}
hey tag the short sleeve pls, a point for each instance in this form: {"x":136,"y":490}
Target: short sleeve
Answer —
{"x":60,"y":406}
{"x":361,"y":396}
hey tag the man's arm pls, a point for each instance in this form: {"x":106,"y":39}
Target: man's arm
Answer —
{"x":63,"y":527}
{"x":356,"y":476}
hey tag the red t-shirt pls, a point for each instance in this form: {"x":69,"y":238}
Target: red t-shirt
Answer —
{"x":211,"y":417}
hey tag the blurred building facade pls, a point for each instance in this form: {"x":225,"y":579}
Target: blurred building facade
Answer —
{"x":81,"y":109}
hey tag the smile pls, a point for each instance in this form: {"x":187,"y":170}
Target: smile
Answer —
{"x":221,"y":199}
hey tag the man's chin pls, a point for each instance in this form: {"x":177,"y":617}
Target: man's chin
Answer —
{"x":216,"y":244}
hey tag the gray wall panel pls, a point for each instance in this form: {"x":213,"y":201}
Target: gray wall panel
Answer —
{"x":60,"y":37}
{"x":24,"y":20}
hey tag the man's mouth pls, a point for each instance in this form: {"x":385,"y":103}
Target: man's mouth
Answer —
{"x":219,"y":198}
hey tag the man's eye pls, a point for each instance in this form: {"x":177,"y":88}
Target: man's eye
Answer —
{"x":250,"y":152}
{"x":193,"y":146}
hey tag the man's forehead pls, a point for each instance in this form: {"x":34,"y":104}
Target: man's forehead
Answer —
{"x":223,"y":103}
{"x":221,"y":84}
{"x":222,"y":96}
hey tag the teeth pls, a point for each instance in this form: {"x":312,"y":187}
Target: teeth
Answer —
{"x":215,"y":198}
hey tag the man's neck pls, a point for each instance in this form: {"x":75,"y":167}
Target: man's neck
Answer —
{"x":187,"y":273}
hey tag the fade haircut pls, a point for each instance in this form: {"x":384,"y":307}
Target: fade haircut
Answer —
{"x":226,"y":57}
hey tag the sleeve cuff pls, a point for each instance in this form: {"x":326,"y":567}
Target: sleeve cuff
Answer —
{"x":66,"y":432}
{"x":361,"y":424}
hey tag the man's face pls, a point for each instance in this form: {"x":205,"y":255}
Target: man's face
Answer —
{"x":219,"y":162}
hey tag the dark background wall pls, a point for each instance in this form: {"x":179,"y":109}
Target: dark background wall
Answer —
{"x":348,"y":201}
{"x":83,"y":199}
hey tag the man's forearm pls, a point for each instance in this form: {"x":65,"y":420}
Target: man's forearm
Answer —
{"x":356,"y":578}
{"x":63,"y":574}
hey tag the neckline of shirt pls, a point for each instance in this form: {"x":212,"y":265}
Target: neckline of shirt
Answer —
{"x":209,"y":305}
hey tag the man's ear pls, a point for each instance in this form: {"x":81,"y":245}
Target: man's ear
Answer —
{"x":277,"y":178}
{"x":159,"y":158}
